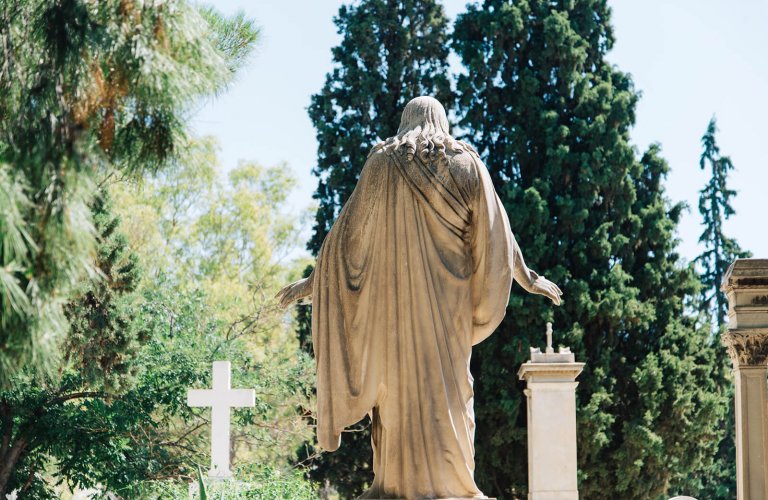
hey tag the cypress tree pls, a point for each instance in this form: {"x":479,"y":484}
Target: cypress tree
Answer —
{"x":103,"y":338}
{"x":391,"y":51}
{"x":720,"y":251}
{"x":551,"y":118}
{"x":715,"y":208}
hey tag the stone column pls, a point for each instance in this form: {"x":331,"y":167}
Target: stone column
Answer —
{"x":551,"y":395}
{"x":746,"y":285}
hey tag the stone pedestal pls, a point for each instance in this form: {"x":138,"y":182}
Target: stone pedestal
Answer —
{"x":746,"y":285}
{"x":551,"y":394}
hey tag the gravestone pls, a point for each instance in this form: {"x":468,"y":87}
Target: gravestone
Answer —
{"x":551,"y":400}
{"x":220,"y":399}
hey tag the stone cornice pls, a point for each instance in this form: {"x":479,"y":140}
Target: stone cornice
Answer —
{"x":549,"y":371}
{"x":746,"y":273}
{"x":747,"y":346}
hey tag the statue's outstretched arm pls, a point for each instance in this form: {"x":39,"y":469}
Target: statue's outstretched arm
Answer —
{"x":302,"y":289}
{"x":296,"y":291}
{"x":532,"y":282}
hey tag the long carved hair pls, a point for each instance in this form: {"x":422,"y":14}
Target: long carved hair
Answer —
{"x":424,"y":133}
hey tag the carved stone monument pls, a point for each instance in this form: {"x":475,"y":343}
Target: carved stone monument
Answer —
{"x":415,"y":271}
{"x":746,"y":285}
{"x":551,"y":394}
{"x":221,"y":398}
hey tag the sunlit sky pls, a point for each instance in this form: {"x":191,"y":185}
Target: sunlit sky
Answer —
{"x":691,"y":59}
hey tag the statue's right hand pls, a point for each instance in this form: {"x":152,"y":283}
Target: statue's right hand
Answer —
{"x":293,"y":292}
{"x":542,"y":286}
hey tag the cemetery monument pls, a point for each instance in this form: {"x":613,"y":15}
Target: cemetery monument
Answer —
{"x":746,"y":286}
{"x":416,"y":270}
{"x":551,"y":400}
{"x":221,"y":398}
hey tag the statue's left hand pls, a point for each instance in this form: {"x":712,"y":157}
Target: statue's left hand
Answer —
{"x":543,"y":286}
{"x":293,"y":292}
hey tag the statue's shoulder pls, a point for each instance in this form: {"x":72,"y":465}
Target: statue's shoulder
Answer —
{"x":468,"y":148}
{"x":464,"y":158}
{"x":379,"y":149}
{"x":465,"y":167}
{"x":377,"y":156}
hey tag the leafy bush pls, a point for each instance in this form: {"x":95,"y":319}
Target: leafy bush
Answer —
{"x":262,"y":482}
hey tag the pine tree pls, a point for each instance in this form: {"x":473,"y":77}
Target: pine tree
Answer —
{"x":391,"y":51}
{"x":87,"y":90}
{"x":100,"y":349}
{"x":715,"y":208}
{"x":103,"y":338}
{"x":551,"y":118}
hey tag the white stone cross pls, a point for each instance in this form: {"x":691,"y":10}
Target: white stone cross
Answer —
{"x":221,"y":398}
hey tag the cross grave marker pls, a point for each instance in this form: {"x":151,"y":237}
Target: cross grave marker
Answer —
{"x":221,"y":398}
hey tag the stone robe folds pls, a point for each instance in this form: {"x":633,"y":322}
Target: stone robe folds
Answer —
{"x":416,"y":270}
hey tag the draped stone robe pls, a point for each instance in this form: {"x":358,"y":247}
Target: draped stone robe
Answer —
{"x":416,"y":270}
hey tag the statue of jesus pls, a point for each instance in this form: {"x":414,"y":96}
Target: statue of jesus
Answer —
{"x":416,"y":270}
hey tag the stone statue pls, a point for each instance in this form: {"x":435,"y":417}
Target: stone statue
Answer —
{"x":415,"y":271}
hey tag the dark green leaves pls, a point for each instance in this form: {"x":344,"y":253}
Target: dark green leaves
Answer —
{"x":551,"y":118}
{"x":715,"y":208}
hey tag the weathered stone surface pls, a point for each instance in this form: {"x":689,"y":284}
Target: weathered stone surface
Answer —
{"x":747,"y":346}
{"x":415,"y":271}
{"x":746,"y":285}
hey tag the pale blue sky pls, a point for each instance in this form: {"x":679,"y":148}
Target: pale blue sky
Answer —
{"x":689,"y":58}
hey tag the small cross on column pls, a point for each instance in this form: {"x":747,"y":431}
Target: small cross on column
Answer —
{"x":221,"y":398}
{"x":550,"y":349}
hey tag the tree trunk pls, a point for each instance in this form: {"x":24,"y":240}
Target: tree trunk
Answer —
{"x":8,"y":463}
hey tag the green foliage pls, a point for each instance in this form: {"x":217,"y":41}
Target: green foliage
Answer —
{"x":254,"y":482}
{"x":91,"y":92}
{"x":391,"y":51}
{"x":87,"y":89}
{"x":551,"y":117}
{"x":203,"y":491}
{"x":116,"y":416}
{"x":719,"y":479}
{"x":103,"y":338}
{"x":715,"y":208}
{"x":147,"y":432}
{"x":226,"y":236}
{"x":211,"y":251}
{"x":100,"y":348}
